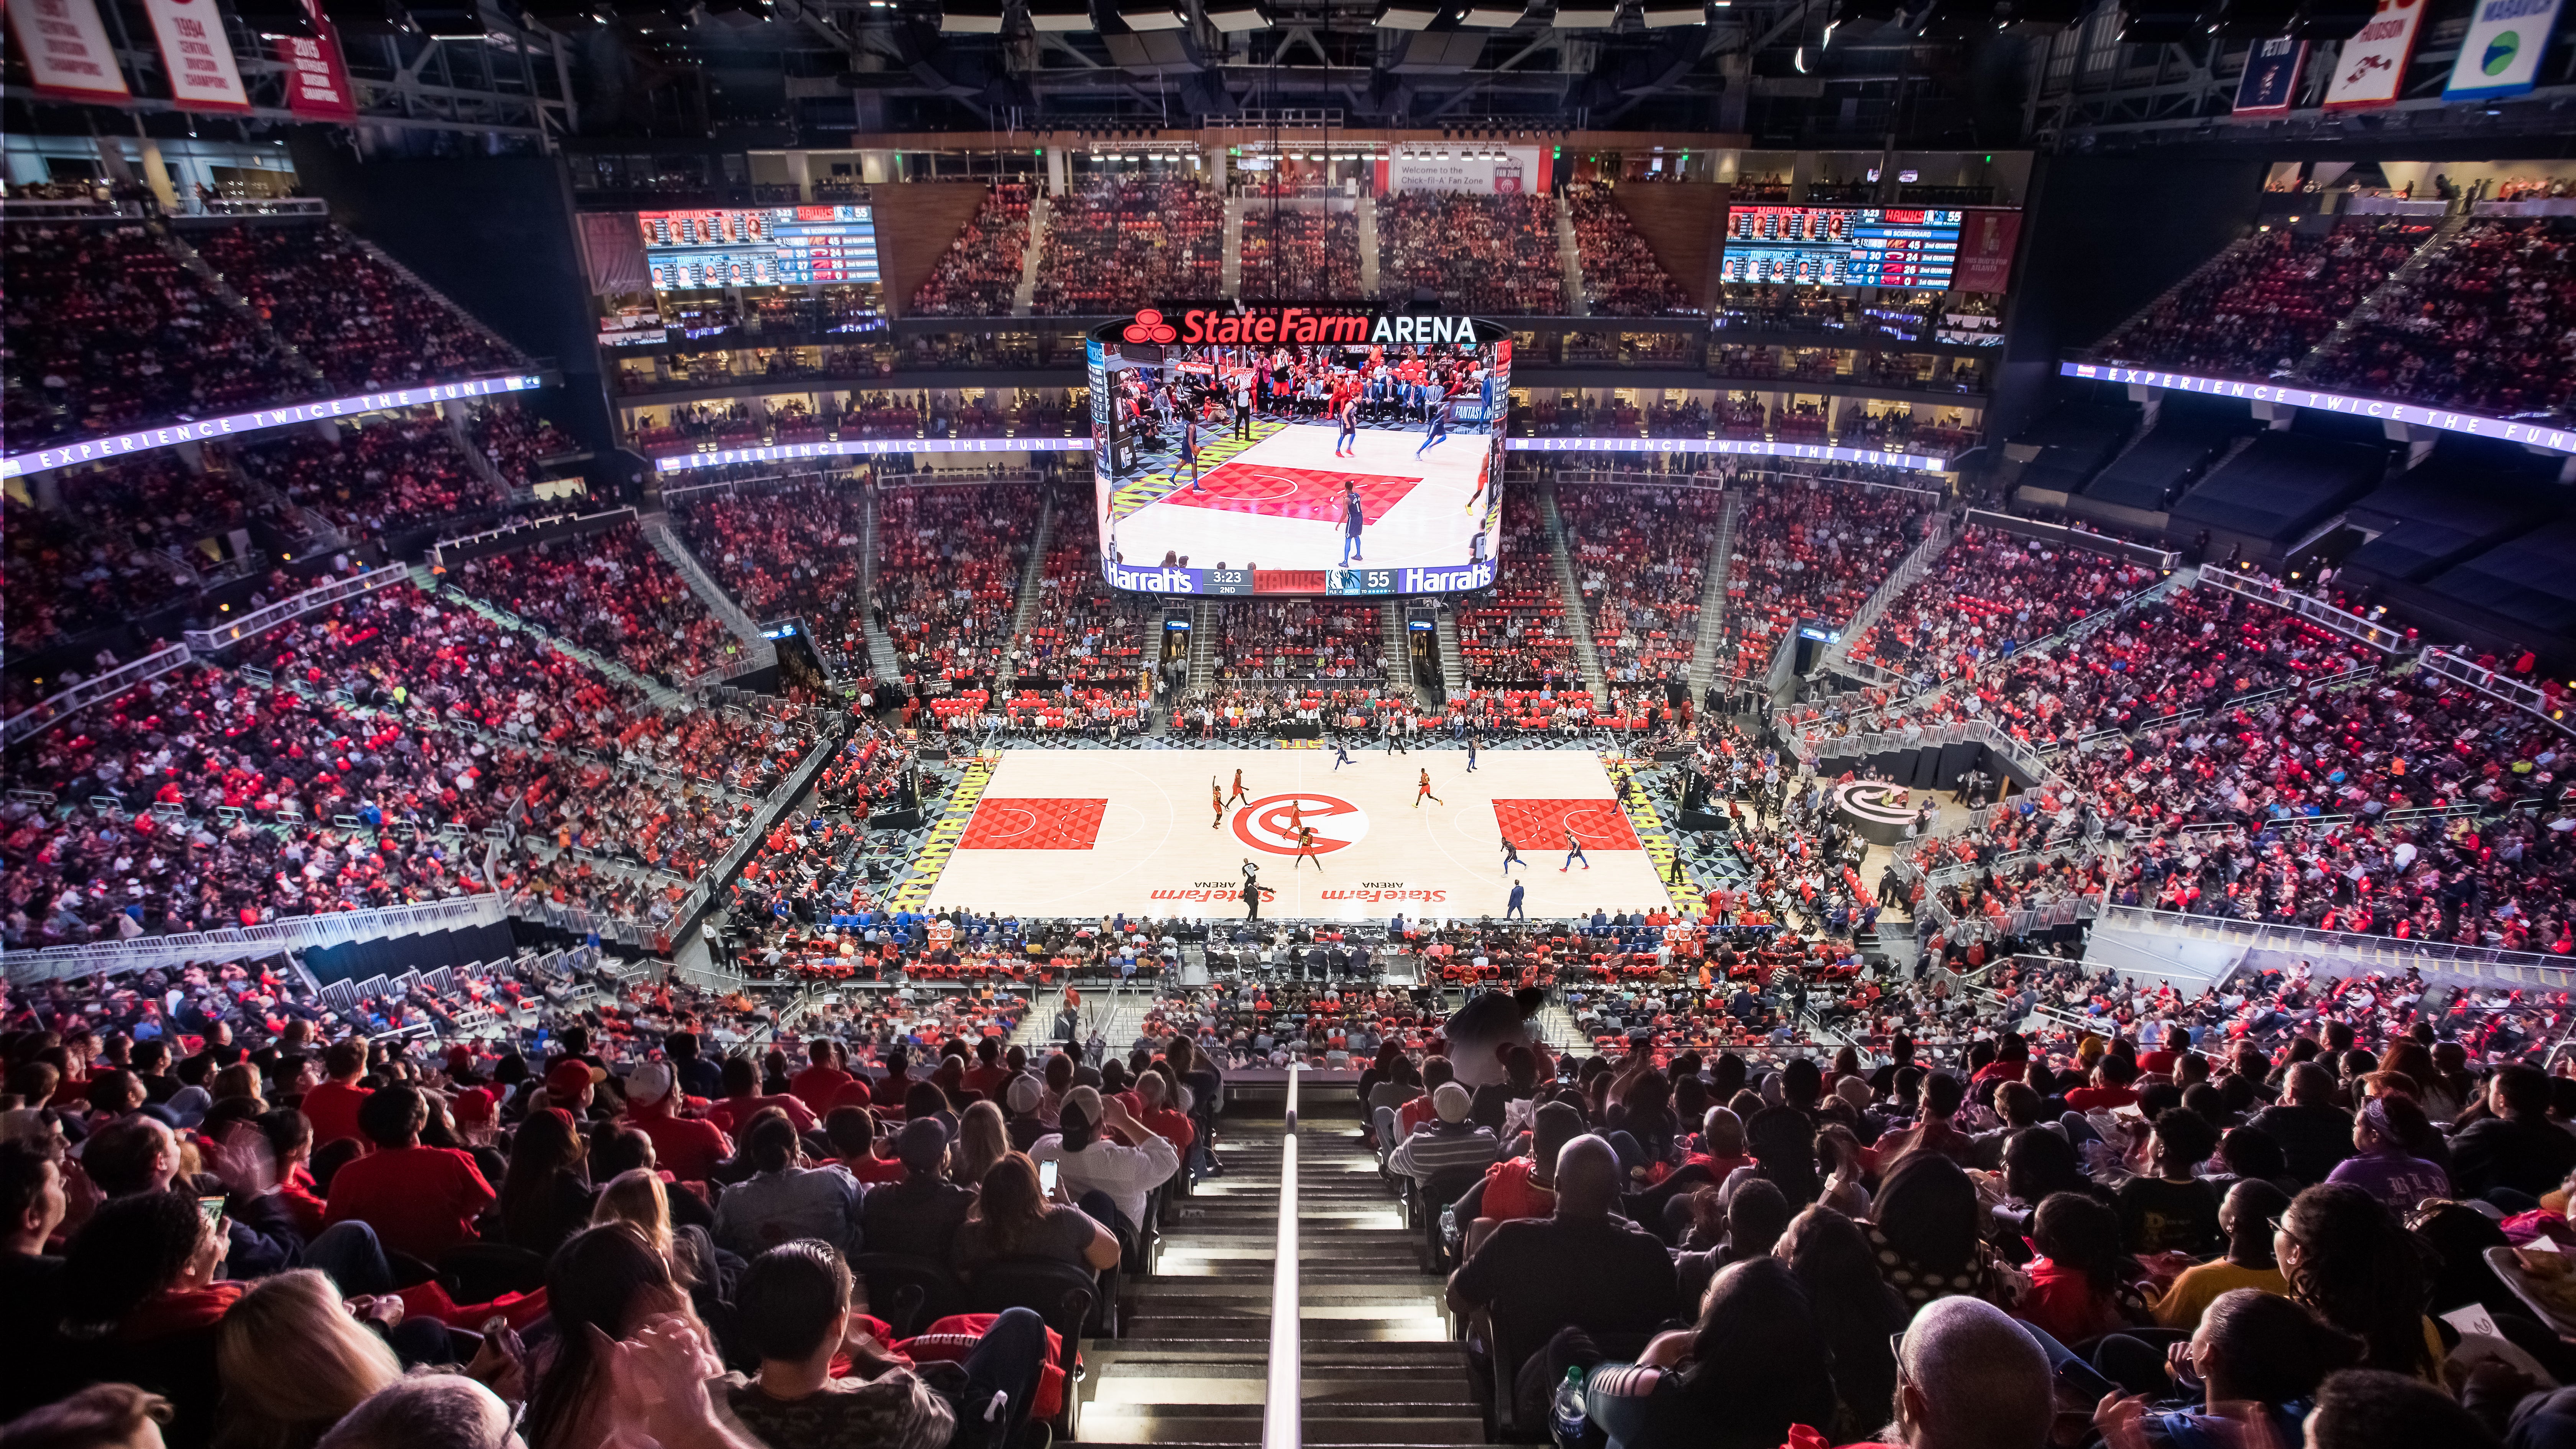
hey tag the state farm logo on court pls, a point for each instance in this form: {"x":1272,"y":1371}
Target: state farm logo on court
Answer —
{"x":1270,"y":823}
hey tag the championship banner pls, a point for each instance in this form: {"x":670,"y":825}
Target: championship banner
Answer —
{"x":2500,"y":54}
{"x":2271,"y":79}
{"x":2372,"y":67}
{"x":1986,"y":243}
{"x":317,"y":82}
{"x":68,"y":57}
{"x":198,"y":57}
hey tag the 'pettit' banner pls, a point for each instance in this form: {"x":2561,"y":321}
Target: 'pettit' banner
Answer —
{"x":2373,"y":64}
{"x":2271,"y":79}
{"x":198,"y":56}
{"x":68,"y":57}
{"x":2500,"y":54}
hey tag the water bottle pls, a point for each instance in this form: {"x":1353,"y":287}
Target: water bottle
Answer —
{"x":1569,"y":1423}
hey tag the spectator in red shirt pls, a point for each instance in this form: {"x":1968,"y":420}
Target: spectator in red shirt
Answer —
{"x":688,"y":1146}
{"x":2111,"y":1078}
{"x":420,"y":1200}
{"x":2160,"y":1063}
{"x":1152,"y":1107}
{"x":986,"y":1077}
{"x":743,"y":1101}
{"x":290,"y":1142}
{"x":852,"y":1132}
{"x":332,"y":1107}
{"x":819,"y":1085}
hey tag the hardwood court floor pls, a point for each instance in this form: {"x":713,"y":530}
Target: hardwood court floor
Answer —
{"x":1092,"y":832}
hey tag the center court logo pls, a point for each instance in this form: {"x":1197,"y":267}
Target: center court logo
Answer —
{"x":1270,"y":823}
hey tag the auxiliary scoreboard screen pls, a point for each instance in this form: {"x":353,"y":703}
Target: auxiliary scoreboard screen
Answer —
{"x":773,"y":246}
{"x":1841,"y":246}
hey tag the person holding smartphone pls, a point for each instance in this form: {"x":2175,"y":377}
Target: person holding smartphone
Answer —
{"x":1018,"y":1215}
{"x":1101,"y":1176}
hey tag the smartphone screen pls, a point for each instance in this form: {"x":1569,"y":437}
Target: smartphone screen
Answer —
{"x":1047,"y":1177}
{"x":212,"y":1208}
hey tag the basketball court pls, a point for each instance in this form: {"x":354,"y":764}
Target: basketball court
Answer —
{"x":1276,"y":501}
{"x":1095,"y":832}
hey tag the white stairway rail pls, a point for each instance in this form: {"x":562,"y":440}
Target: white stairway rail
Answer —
{"x":667,"y":543}
{"x":1712,"y":599}
{"x":1283,"y":1398}
{"x":1937,"y":534}
{"x":295,"y":933}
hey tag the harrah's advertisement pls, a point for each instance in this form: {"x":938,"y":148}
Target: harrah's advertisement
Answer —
{"x":1279,"y":449}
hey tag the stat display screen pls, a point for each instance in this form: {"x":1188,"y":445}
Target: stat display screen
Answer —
{"x":772,"y":246}
{"x":1841,"y":246}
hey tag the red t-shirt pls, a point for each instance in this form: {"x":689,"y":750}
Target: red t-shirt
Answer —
{"x":420,"y":1200}
{"x":731,"y":1113}
{"x":310,"y":1212}
{"x":333,"y":1111}
{"x":2158,"y":1063}
{"x":2100,"y":1099}
{"x":688,"y":1147}
{"x":873,"y":1170}
{"x":1509,"y":1193}
{"x":985,"y":1081}
{"x":818,"y":1086}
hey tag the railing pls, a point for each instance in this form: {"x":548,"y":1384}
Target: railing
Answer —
{"x":90,"y":691}
{"x":262,"y":206}
{"x":533,"y":528}
{"x":1283,"y":1402}
{"x":320,"y":596}
{"x":295,"y":933}
{"x":2486,"y":963}
{"x":2155,"y":558}
{"x":2342,"y":621}
{"x":2495,"y":686}
{"x":1937,"y":534}
{"x":62,"y":208}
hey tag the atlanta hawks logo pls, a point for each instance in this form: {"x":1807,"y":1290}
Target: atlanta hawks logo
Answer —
{"x":1876,"y":800}
{"x":1270,"y":823}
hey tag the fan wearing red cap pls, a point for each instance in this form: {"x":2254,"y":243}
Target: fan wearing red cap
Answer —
{"x":569,"y":1084}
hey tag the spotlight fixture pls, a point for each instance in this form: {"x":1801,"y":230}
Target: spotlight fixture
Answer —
{"x":971,"y":17}
{"x":1407,"y":14}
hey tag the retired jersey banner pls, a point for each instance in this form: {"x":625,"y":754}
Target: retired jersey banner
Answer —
{"x":198,"y":56}
{"x":2373,"y":64}
{"x":68,"y":57}
{"x":2271,"y":79}
{"x":1986,"y":241}
{"x":2500,"y":54}
{"x":317,"y":83}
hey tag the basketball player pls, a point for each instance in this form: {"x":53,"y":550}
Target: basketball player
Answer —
{"x":1354,"y":518}
{"x":1306,"y":849}
{"x":1347,"y":442}
{"x":1439,"y":411}
{"x":1573,"y":853}
{"x":1422,"y":792}
{"x":1239,"y":793}
{"x":1512,"y":856}
{"x":1471,"y":754}
{"x":1216,"y":798}
{"x":1190,"y":445}
{"x":1341,"y":751}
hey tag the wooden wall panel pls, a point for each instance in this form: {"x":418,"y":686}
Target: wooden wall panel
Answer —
{"x":1681,"y":222}
{"x":915,"y":223}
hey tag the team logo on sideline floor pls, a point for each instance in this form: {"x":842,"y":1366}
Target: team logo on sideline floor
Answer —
{"x":1270,"y":823}
{"x":1876,"y":800}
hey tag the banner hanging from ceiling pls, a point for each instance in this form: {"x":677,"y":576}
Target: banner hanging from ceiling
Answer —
{"x":2372,"y":67}
{"x":68,"y":57}
{"x":198,"y":57}
{"x":2500,"y":54}
{"x":2271,"y":79}
{"x":317,"y":80}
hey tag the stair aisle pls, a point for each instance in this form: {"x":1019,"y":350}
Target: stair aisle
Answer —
{"x":1379,"y":1366}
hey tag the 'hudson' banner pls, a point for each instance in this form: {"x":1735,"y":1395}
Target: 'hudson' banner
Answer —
{"x":2500,"y":54}
{"x":2271,"y":79}
{"x":317,"y":82}
{"x":198,"y":56}
{"x":68,"y":57}
{"x":2373,"y":64}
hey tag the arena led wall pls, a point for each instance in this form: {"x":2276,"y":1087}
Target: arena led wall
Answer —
{"x":1329,"y":448}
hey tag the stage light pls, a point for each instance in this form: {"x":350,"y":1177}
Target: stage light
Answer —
{"x":971,"y":17}
{"x":1407,"y":14}
{"x":1145,"y":15}
{"x":1493,"y":14}
{"x":1059,"y":15}
{"x":1665,"y":14}
{"x":1236,"y":15}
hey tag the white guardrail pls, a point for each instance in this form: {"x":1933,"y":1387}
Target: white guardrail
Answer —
{"x":90,"y":691}
{"x":322,"y":595}
{"x":294,"y":933}
{"x":1283,"y":1404}
{"x":2374,"y":953}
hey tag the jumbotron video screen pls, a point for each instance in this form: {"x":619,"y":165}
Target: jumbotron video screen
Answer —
{"x":1298,"y":449}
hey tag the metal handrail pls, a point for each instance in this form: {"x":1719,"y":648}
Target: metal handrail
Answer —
{"x":1283,"y":1403}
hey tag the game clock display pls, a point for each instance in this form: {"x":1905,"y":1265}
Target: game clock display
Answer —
{"x":1841,"y":246}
